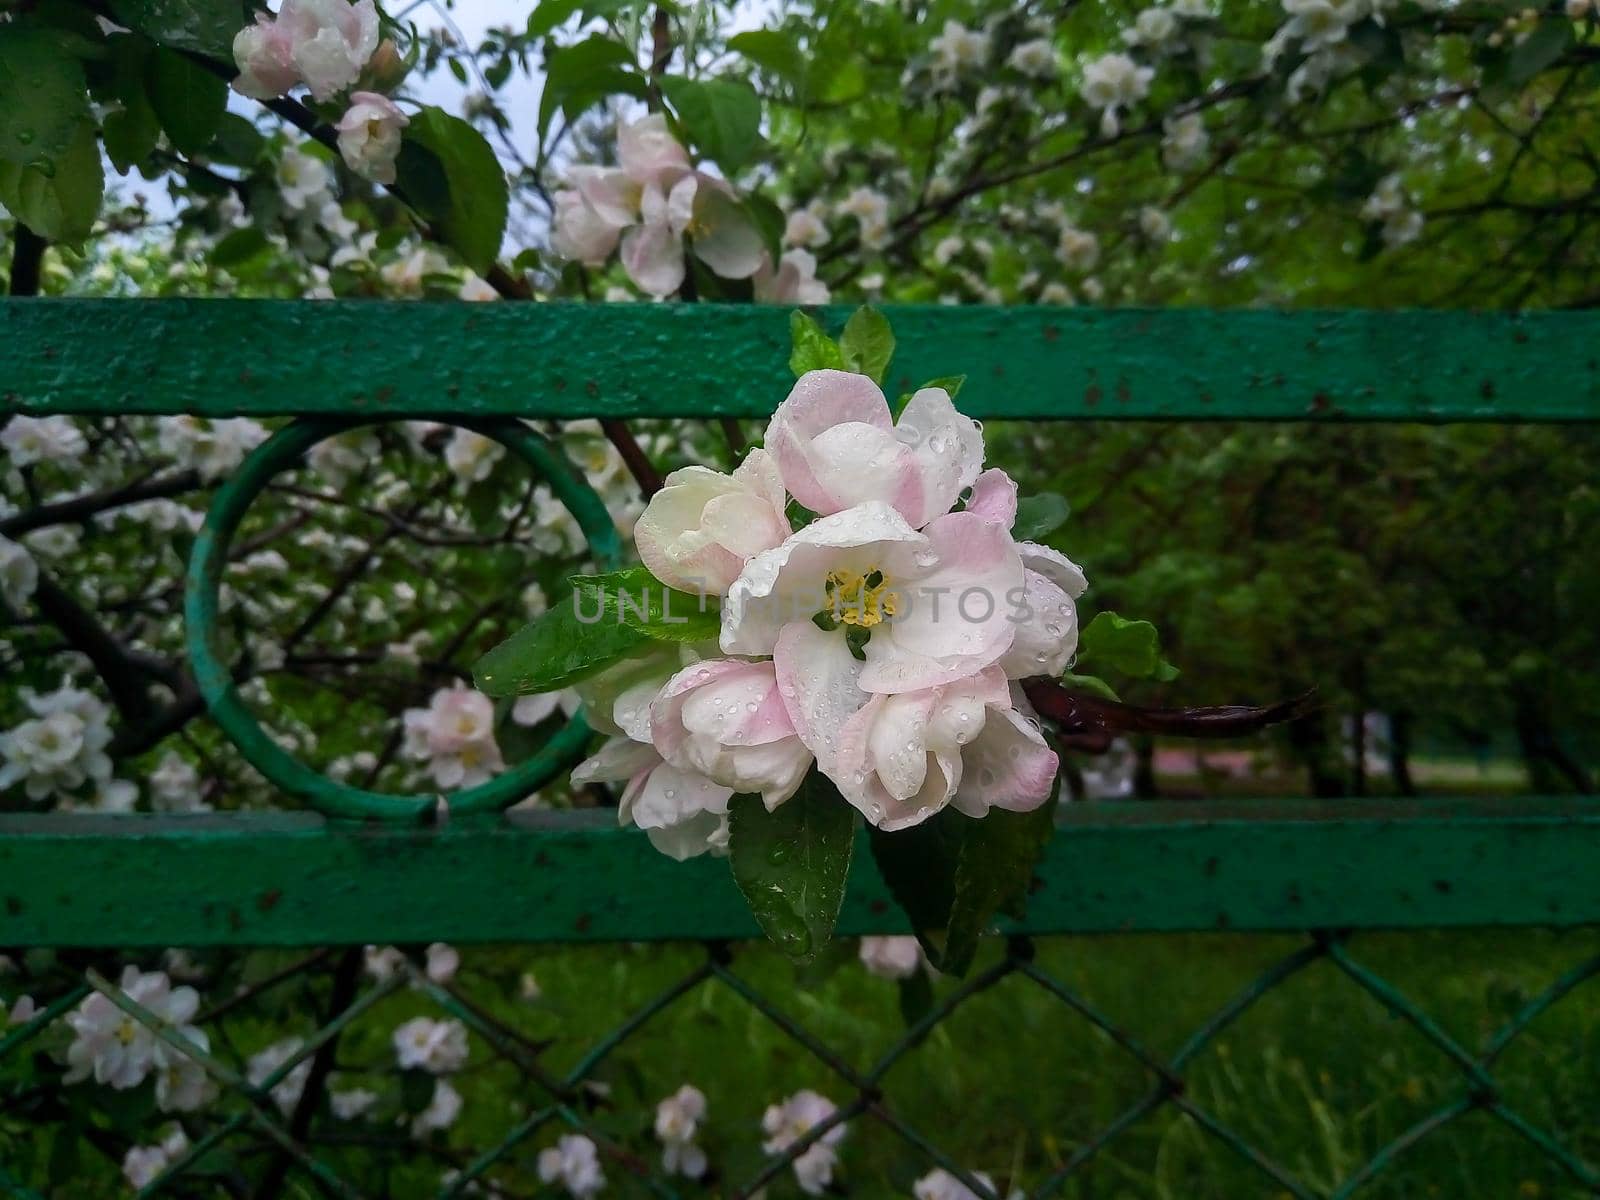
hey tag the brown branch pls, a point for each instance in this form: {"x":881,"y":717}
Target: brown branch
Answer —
{"x":1080,"y":715}
{"x":81,"y":508}
{"x":639,"y":464}
{"x":124,"y":677}
{"x":27,"y":254}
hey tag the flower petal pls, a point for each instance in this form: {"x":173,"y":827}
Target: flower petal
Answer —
{"x":725,"y":238}
{"x":948,"y":447}
{"x":818,"y":681}
{"x":1009,"y":765}
{"x":653,"y":258}
{"x":994,"y":495}
{"x":818,"y":401}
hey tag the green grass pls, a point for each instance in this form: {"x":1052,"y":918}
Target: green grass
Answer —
{"x":1318,"y":1075}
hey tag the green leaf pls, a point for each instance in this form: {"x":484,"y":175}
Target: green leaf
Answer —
{"x":918,"y":865}
{"x":867,"y":343}
{"x":188,"y":99}
{"x":642,"y":602}
{"x":721,"y":116}
{"x":993,"y":872}
{"x":791,"y":864}
{"x":581,"y":75}
{"x":1040,"y":515}
{"x":473,"y":220}
{"x":772,"y":51}
{"x":949,"y":384}
{"x":204,"y":26}
{"x":812,"y":350}
{"x":552,"y":652}
{"x":1548,"y":41}
{"x":238,"y":141}
{"x":1092,"y":684}
{"x":1131,"y":647}
{"x":45,"y":96}
{"x":769,"y":219}
{"x":239,"y":246}
{"x":131,"y":131}
{"x":549,"y":14}
{"x":916,"y":997}
{"x":61,"y":206}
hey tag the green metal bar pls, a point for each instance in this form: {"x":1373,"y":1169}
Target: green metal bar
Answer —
{"x":1388,"y":1153}
{"x":296,"y":879}
{"x":284,"y":451}
{"x":521,"y":1132}
{"x":377,"y":359}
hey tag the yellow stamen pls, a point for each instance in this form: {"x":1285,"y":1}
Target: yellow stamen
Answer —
{"x":860,"y":599}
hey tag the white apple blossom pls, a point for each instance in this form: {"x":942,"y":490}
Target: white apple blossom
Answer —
{"x":939,"y":1184}
{"x":214,"y":448}
{"x":265,"y":1063}
{"x":477,"y":290}
{"x":438,"y":1047}
{"x":19,"y":574}
{"x":677,"y":1124}
{"x":787,"y":1122}
{"x":471,"y":456}
{"x":175,"y":785}
{"x":369,"y":135}
{"x":893,"y":957}
{"x":1154,"y":223}
{"x":1390,"y":205}
{"x":339,"y":459}
{"x":352,"y":1104}
{"x":1078,"y":249}
{"x":264,"y":54}
{"x":454,"y":735}
{"x":381,"y":962}
{"x":330,"y":41}
{"x":837,"y":445}
{"x":1154,"y":28}
{"x":55,"y":439}
{"x":119,"y":1051}
{"x":653,"y":202}
{"x":725,"y":719}
{"x":794,"y":282}
{"x":1056,"y":292}
{"x":1036,"y":58}
{"x":142,"y":1165}
{"x":61,"y":748}
{"x":1112,"y":83}
{"x":804,"y":228}
{"x":22,"y":1011}
{"x":182,"y":1083}
{"x":444,"y":1106}
{"x":958,"y":50}
{"x":1184,"y":141}
{"x":441,"y":961}
{"x":699,"y":530}
{"x":303,"y":180}
{"x":574,"y":1163}
{"x":683,"y":813}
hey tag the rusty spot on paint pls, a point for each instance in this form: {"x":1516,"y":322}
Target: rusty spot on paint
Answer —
{"x":1124,"y":392}
{"x":385,"y":394}
{"x":559,"y":384}
{"x":269,"y":899}
{"x":583,"y":922}
{"x":1292,"y":893}
{"x":1321,"y":403}
{"x":245,"y":377}
{"x":1443,"y":886}
{"x":235,"y":921}
{"x":999,"y":371}
{"x":591,"y":389}
{"x":1091,"y":395}
{"x":1211,"y":866}
{"x":1051,"y":333}
{"x":1520,"y":336}
{"x":1486,"y":389}
{"x":879,"y":907}
{"x":13,"y":906}
{"x":1223,"y":920}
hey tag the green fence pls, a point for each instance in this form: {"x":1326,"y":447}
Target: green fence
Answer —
{"x":351,"y":868}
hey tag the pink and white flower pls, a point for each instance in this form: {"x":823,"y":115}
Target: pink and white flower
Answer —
{"x":321,"y":43}
{"x":837,"y":446}
{"x":933,"y":603}
{"x":574,"y":1163}
{"x":895,"y":957}
{"x":700,"y":529}
{"x":678,"y":1120}
{"x":653,"y":201}
{"x":787,"y":1122}
{"x":369,"y":135}
{"x":454,"y":735}
{"x":725,"y":719}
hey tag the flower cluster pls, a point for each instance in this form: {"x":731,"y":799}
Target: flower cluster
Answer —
{"x":454,"y":736}
{"x":116,"y":1050}
{"x":653,"y":204}
{"x":61,"y":748}
{"x":678,"y":1120}
{"x":1391,"y":209}
{"x":329,"y":46}
{"x":879,"y":642}
{"x":789,"y":1121}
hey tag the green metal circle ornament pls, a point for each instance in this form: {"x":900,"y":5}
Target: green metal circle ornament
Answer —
{"x":283,"y":451}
